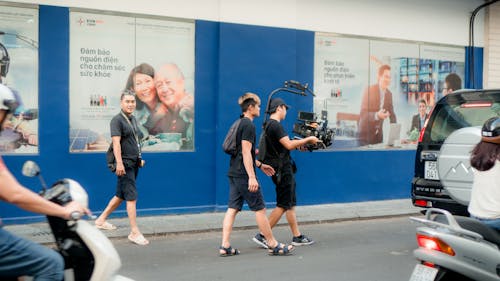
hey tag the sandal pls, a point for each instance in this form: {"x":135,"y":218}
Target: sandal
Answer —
{"x":139,"y":240}
{"x":106,"y":226}
{"x":281,"y":250}
{"x":229,"y":251}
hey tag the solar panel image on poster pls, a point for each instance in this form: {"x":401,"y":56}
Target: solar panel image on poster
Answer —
{"x":80,"y":138}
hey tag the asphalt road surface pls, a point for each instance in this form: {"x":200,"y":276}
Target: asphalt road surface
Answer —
{"x":364,"y":250}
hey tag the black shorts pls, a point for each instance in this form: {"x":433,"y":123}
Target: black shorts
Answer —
{"x":284,"y":180}
{"x":125,"y":185}
{"x":238,"y":192}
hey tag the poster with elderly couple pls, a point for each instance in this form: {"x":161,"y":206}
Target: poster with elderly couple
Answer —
{"x":19,"y":72}
{"x":154,"y":58}
{"x":376,"y":94}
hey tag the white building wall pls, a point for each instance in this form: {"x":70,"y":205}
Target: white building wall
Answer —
{"x":492,"y":48}
{"x":436,"y":21}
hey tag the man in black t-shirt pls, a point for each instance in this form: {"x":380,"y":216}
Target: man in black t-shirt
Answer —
{"x":126,"y":138}
{"x":278,"y":146}
{"x":243,"y":184}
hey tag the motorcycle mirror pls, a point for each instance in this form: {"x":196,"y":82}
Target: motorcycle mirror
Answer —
{"x":30,"y":169}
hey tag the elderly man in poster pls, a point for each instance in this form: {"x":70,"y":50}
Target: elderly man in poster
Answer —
{"x":376,"y":106}
{"x":179,"y":118}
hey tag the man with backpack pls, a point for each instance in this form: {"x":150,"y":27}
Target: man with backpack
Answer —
{"x":277,"y":154}
{"x":243,"y":184}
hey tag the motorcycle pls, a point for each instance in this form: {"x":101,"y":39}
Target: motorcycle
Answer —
{"x":455,"y":248}
{"x":88,"y":254}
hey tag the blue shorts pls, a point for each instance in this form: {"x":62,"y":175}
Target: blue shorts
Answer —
{"x":238,"y":192}
{"x":125,"y":185}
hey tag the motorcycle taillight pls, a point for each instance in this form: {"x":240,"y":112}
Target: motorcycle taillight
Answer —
{"x":434,"y":243}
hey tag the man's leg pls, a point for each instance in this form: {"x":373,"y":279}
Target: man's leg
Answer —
{"x":135,"y":234}
{"x":227,"y":227}
{"x":298,"y":238}
{"x":275,"y":216}
{"x":132,"y":217}
{"x":112,"y":205}
{"x":291,"y":217}
{"x":20,"y":257}
{"x":265,"y":227}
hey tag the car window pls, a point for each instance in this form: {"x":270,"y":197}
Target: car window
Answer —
{"x":451,"y":117}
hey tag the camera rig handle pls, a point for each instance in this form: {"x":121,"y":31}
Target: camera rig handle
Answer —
{"x":290,"y":86}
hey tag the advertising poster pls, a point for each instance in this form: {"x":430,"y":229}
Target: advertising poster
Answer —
{"x":385,"y":112}
{"x":443,"y":61}
{"x":377,"y":94}
{"x":340,"y":73}
{"x":19,"y":72}
{"x":154,"y":58}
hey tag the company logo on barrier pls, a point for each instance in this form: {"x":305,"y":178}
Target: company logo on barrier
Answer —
{"x":89,"y":22}
{"x":327,"y":43}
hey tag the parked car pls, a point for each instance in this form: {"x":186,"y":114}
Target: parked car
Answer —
{"x":455,"y":112}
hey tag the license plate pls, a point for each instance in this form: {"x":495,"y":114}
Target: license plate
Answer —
{"x":423,"y":273}
{"x":431,"y":172}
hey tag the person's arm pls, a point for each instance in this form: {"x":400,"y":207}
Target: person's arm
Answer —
{"x":294,"y":144}
{"x":246,"y":151}
{"x":268,"y":170}
{"x":13,"y":192}
{"x":117,"y":151}
{"x":186,"y":108}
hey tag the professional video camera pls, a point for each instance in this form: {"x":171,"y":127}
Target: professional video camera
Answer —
{"x":308,"y":125}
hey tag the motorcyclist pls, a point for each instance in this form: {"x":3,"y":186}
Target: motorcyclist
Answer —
{"x":485,"y":161}
{"x":19,"y":256}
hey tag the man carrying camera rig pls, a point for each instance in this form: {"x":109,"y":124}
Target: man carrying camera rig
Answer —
{"x":277,"y":154}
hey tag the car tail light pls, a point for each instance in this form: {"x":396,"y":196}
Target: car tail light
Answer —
{"x":422,"y":131}
{"x":476,"y":104}
{"x":421,"y":203}
{"x":434,"y":243}
{"x":421,"y":136}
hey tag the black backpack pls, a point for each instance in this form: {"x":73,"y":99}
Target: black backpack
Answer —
{"x":263,"y":144}
{"x":229,"y":145}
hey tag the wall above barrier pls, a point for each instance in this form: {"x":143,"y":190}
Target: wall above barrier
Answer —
{"x":230,"y":59}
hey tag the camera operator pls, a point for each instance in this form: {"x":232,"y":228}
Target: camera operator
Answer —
{"x":277,"y":154}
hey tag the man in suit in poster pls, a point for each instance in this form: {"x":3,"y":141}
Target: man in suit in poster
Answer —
{"x":418,"y":119}
{"x":376,"y":106}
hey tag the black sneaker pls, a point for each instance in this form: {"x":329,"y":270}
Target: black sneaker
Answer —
{"x":261,"y":240}
{"x":302,"y":240}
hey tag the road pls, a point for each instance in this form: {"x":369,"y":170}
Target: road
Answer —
{"x":364,"y":250}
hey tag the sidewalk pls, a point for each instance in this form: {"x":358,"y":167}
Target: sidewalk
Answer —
{"x":170,"y":224}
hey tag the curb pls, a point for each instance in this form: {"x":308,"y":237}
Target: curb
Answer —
{"x":204,"y":222}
